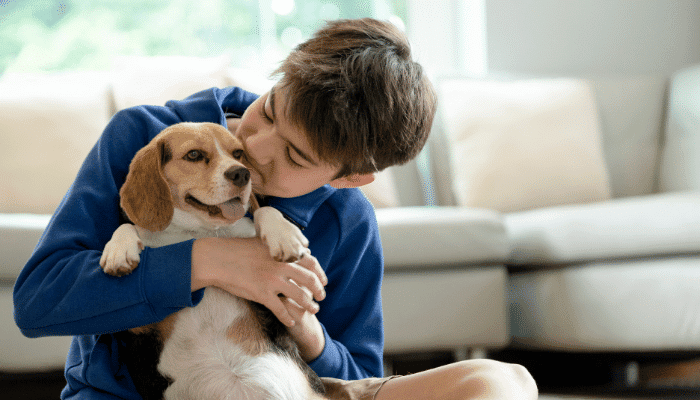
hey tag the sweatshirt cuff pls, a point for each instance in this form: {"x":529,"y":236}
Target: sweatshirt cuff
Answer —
{"x":328,"y":364}
{"x":167,"y":277}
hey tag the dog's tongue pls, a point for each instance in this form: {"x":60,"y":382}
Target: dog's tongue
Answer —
{"x":232,"y":209}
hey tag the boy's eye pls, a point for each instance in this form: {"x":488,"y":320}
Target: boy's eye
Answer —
{"x":265,"y":116}
{"x":237,"y":154}
{"x":291,"y":160}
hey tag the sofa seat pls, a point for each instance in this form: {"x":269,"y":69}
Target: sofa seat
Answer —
{"x":637,"y":226}
{"x":21,"y":232}
{"x":443,"y":265}
{"x":617,"y":306}
{"x":620,"y":275}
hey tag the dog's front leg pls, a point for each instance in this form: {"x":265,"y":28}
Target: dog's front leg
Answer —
{"x":284,"y":239}
{"x":122,"y":253}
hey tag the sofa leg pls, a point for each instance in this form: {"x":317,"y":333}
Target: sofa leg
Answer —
{"x":388,"y":367}
{"x":626,"y":375}
{"x":478,"y":353}
{"x":466,"y":353}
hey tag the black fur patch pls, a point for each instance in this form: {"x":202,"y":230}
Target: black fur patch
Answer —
{"x":141,"y":354}
{"x":283,"y":344}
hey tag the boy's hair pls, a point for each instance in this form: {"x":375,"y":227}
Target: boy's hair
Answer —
{"x":354,"y":88}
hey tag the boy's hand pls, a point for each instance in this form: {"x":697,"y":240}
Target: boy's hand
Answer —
{"x":306,"y":332}
{"x":244,"y":268}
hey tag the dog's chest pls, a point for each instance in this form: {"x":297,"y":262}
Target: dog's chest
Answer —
{"x":175,"y":233}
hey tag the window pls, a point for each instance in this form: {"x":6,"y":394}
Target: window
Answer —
{"x":55,"y":35}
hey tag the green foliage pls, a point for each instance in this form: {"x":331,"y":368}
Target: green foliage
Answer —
{"x":50,"y":35}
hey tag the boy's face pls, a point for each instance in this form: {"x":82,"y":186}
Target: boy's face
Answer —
{"x":281,"y":160}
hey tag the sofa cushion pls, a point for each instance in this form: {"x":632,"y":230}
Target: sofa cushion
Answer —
{"x":21,"y":354}
{"x":19,"y":234}
{"x":447,"y":309}
{"x":680,"y":164}
{"x":49,"y":123}
{"x":522,"y":144}
{"x":434,"y":237}
{"x":631,"y":114}
{"x":631,"y":227}
{"x":633,"y":305}
{"x":155,"y":80}
{"x":382,"y":192}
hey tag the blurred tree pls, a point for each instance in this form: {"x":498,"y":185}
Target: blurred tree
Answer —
{"x":50,"y":35}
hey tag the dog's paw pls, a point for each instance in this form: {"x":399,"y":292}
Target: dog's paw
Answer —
{"x":285,"y":241}
{"x":123,"y":252}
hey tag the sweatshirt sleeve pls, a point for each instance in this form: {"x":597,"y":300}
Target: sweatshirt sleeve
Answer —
{"x":351,"y":315}
{"x":62,"y":289}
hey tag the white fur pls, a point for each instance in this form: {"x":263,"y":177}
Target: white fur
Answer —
{"x":205,"y":365}
{"x":198,"y":357}
{"x":282,"y":238}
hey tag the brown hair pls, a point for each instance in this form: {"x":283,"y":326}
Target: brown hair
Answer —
{"x":354,"y":88}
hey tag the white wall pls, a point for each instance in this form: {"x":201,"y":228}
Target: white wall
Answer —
{"x":592,"y":36}
{"x":556,"y":37}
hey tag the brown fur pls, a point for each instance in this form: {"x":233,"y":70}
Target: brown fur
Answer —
{"x":154,"y":211}
{"x":161,"y":170}
{"x":249,"y":334}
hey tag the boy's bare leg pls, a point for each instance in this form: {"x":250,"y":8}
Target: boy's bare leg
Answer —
{"x":471,"y":379}
{"x":466,"y":380}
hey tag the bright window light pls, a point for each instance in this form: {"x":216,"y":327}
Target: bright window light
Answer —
{"x":59,"y":35}
{"x":282,"y":7}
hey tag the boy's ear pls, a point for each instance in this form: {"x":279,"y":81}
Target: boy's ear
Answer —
{"x":352,"y":181}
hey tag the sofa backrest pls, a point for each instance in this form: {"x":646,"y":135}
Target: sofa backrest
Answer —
{"x":625,"y":113}
{"x":630,"y":111}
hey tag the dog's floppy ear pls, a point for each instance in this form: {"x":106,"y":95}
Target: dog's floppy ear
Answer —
{"x":253,"y":203}
{"x":145,"y":196}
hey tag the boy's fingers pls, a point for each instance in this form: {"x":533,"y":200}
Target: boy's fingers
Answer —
{"x":311,"y":263}
{"x":307,"y":279}
{"x":302,"y":297}
{"x":294,"y":309}
{"x":279,"y":308}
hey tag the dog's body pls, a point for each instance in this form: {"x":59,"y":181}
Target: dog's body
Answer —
{"x":189,"y":183}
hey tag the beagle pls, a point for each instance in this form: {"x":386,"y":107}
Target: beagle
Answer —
{"x":190,"y":182}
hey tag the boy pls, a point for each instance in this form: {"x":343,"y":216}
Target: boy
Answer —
{"x":350,"y":102}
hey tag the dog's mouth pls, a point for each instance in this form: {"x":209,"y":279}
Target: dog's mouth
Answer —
{"x":231,"y":209}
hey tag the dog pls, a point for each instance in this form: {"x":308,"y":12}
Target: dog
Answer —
{"x":190,"y":182}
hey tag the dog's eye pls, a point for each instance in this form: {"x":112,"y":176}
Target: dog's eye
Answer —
{"x":194,"y":155}
{"x":237,"y":154}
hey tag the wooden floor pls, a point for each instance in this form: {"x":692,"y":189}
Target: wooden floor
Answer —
{"x":583,"y":379}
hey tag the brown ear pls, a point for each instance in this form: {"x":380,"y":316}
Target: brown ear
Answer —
{"x":145,"y":195}
{"x":253,"y":203}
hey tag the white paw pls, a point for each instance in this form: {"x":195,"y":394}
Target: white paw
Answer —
{"x":122,"y":253}
{"x":284,"y":240}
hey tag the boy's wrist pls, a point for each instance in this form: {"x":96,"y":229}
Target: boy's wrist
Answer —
{"x":201,"y":275}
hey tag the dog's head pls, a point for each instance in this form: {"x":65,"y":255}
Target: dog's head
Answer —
{"x":193,"y":167}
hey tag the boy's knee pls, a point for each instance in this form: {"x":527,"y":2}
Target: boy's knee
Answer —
{"x":498,"y":380}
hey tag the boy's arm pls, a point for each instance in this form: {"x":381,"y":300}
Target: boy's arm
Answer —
{"x":62,"y":289}
{"x":351,"y":314}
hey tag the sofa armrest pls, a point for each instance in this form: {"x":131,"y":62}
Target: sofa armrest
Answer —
{"x":19,"y":234}
{"x":640,"y":226}
{"x":419,"y":237}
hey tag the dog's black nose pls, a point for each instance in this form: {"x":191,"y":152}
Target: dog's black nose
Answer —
{"x":238,"y":175}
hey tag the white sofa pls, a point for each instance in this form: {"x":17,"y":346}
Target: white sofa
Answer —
{"x":588,"y":189}
{"x":597,"y":182}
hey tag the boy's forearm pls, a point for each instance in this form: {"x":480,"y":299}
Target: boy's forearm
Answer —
{"x":76,"y":297}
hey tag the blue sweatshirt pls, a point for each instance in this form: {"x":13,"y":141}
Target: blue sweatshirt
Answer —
{"x":63,"y":291}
